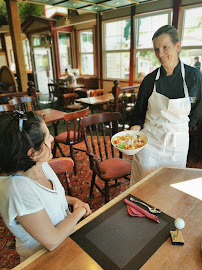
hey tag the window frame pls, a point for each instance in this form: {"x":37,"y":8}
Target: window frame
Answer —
{"x":62,"y":72}
{"x":89,"y":53}
{"x":182,"y":22}
{"x":112,"y":51}
{"x":149,"y":14}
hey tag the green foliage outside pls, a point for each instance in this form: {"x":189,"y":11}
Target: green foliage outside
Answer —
{"x":3,"y":13}
{"x":25,"y":11}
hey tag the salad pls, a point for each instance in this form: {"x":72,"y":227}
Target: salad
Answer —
{"x":128,"y":142}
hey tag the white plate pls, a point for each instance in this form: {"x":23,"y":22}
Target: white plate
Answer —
{"x":132,"y":133}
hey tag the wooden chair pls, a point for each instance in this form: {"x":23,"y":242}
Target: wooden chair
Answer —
{"x":7,"y":107}
{"x":53,"y":90}
{"x":71,"y":137}
{"x":63,"y":165}
{"x":101,"y":154}
{"x":25,"y":104}
{"x":69,"y":102}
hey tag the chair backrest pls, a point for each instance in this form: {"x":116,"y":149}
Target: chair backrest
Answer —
{"x":69,"y":98}
{"x":7,"y":107}
{"x":52,"y":87}
{"x":97,"y":125}
{"x":25,"y":103}
{"x":63,"y":165}
{"x":73,"y":122}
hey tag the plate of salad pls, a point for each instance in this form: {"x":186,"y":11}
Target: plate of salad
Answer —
{"x":129,"y":142}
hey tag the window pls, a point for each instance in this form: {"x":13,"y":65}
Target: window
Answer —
{"x":86,"y":52}
{"x":64,"y":48}
{"x":27,"y":54}
{"x":117,"y":49}
{"x":191,"y":35}
{"x":145,"y":27}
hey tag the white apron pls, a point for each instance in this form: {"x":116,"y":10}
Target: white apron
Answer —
{"x":166,"y":125}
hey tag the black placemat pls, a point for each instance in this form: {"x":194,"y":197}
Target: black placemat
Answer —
{"x":115,"y":240}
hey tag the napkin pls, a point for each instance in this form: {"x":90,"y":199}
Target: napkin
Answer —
{"x":134,"y":213}
{"x":137,"y":211}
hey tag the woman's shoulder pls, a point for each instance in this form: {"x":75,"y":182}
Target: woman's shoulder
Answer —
{"x":152,"y":75}
{"x":149,"y":79}
{"x":13,"y":182}
{"x":192,"y":71}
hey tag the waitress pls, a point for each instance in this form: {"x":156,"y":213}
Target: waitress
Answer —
{"x":169,"y":101}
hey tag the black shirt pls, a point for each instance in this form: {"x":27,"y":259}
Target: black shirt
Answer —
{"x":171,"y":87}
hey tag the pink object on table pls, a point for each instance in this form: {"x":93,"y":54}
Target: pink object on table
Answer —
{"x":134,"y":213}
{"x":134,"y":210}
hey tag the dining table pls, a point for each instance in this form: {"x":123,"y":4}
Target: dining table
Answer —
{"x":176,"y":191}
{"x":99,"y":100}
{"x":52,"y":116}
{"x":9,"y":95}
{"x":95,"y":101}
{"x":69,"y":88}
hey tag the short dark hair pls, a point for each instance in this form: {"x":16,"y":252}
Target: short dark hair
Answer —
{"x":15,"y":142}
{"x":170,"y":30}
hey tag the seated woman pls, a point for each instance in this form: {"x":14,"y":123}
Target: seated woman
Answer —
{"x":33,"y":204}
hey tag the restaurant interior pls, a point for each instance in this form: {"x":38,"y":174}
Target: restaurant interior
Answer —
{"x":79,"y":64}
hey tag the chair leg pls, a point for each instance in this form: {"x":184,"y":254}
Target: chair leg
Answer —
{"x":73,"y":157}
{"x":106,"y":192}
{"x":92,"y":183}
{"x":54,"y":150}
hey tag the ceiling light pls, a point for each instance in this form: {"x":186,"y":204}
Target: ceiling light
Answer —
{"x":117,"y":3}
{"x":97,"y":8}
{"x":74,"y":4}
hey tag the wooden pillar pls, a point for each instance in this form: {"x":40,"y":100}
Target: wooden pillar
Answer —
{"x":176,"y":13}
{"x":99,"y":36}
{"x":56,"y":52}
{"x":131,"y":68}
{"x":15,"y":31}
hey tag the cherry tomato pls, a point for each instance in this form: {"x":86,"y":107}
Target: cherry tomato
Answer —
{"x":126,"y":147}
{"x":115,"y":142}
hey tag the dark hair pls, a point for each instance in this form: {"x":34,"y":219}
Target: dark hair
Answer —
{"x":170,"y":30}
{"x":16,"y":140}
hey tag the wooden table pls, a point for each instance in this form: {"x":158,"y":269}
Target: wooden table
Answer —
{"x":94,"y":101}
{"x":177,"y":192}
{"x":13,"y":94}
{"x":99,"y":100}
{"x":52,"y":116}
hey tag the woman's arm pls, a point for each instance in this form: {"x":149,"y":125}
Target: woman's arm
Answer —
{"x":137,"y":117}
{"x":40,"y":227}
{"x":196,"y":107}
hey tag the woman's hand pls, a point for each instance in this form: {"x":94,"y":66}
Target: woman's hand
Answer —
{"x":136,"y":128}
{"x":76,"y":203}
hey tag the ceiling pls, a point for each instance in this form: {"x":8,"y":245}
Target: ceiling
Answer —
{"x":94,"y":6}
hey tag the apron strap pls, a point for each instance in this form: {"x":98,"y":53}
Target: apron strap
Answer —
{"x":186,"y":92}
